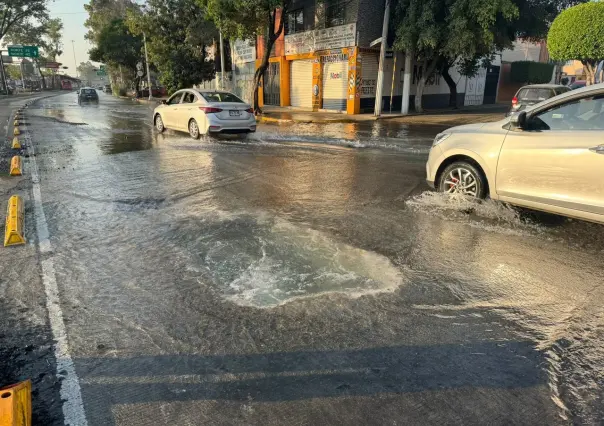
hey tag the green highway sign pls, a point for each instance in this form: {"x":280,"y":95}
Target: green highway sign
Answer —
{"x":24,"y":51}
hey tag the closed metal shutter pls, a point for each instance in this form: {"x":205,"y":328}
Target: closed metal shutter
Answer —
{"x":301,"y":84}
{"x":335,"y":85}
{"x":369,"y":74}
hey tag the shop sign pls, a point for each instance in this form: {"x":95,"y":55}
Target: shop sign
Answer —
{"x":322,"y":39}
{"x":244,"y":51}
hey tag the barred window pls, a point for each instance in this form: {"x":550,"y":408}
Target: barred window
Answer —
{"x":294,"y":22}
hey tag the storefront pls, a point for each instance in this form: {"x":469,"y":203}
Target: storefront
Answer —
{"x":301,"y":87}
{"x":335,"y":80}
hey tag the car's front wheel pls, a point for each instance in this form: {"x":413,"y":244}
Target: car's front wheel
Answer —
{"x":463,"y":178}
{"x":159,"y":123}
{"x":194,"y":129}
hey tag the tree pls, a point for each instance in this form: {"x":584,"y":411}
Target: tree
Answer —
{"x":425,"y":27}
{"x":444,"y":33}
{"x":577,"y":34}
{"x":86,"y":70}
{"x":247,"y":19}
{"x":53,"y":36}
{"x":14,"y":12}
{"x":102,"y":12}
{"x":177,"y":34}
{"x":117,"y":46}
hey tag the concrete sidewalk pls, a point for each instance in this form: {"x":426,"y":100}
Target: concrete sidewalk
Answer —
{"x":471,"y":114}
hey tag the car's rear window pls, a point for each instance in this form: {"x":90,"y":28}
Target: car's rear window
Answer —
{"x":89,"y":91}
{"x":534,"y":94}
{"x":561,"y":90}
{"x":220,"y":97}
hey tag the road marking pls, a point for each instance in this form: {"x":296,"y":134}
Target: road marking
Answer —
{"x":71,"y":394}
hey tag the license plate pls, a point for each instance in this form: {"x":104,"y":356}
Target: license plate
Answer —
{"x":234,"y":113}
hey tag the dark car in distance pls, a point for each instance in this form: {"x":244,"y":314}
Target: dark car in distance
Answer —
{"x":87,"y":94}
{"x":535,"y":93}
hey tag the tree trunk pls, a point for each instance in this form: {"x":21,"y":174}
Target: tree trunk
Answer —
{"x":421,"y":84}
{"x":271,"y":38}
{"x":452,"y":87}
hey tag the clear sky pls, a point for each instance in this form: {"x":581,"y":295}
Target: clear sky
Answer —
{"x":73,"y":15}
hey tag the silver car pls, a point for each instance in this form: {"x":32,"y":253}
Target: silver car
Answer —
{"x":549,"y":157}
{"x":202,"y":112}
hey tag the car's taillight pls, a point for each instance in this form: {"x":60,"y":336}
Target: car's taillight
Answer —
{"x":250,"y":110}
{"x":514,"y":100}
{"x":209,"y":110}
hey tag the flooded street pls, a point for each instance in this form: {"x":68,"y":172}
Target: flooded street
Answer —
{"x":306,"y":275}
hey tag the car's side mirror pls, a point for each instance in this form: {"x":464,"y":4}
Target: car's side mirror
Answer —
{"x":518,"y":121}
{"x":164,"y":102}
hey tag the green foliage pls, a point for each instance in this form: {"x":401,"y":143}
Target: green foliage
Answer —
{"x":86,"y":70}
{"x":15,"y":12}
{"x":102,"y":12}
{"x":241,"y":19}
{"x":177,"y":34}
{"x":116,"y":45}
{"x":578,"y":33}
{"x":13,"y":72}
{"x":529,"y":72}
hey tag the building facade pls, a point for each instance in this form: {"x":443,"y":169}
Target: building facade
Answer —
{"x":324,"y":61}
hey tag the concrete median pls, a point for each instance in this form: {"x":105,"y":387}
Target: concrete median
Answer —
{"x":15,"y":166}
{"x":15,"y":405}
{"x":15,"y":222}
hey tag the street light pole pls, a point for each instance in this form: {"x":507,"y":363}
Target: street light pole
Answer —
{"x":75,"y":62}
{"x":147,"y":62}
{"x":221,"y":63}
{"x":380,"y":82}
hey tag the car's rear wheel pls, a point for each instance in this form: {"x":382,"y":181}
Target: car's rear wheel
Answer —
{"x":463,"y":178}
{"x":159,"y":123}
{"x":194,"y":129}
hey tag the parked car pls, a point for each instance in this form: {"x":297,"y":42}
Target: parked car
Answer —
{"x":535,"y":93}
{"x":156,"y":92}
{"x":87,"y":94}
{"x":577,"y":84}
{"x":548,"y":157}
{"x":107,"y":88}
{"x":202,"y":112}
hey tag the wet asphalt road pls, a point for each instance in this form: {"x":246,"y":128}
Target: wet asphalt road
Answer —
{"x":305,"y":275}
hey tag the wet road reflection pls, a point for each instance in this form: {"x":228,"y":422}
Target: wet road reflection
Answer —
{"x":303,"y":239}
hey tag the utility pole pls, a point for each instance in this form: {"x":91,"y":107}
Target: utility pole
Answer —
{"x":3,"y":73}
{"x":147,"y":62}
{"x":380,"y":81}
{"x":75,"y":62}
{"x":221,"y":63}
{"x":407,"y":81}
{"x":22,"y":76}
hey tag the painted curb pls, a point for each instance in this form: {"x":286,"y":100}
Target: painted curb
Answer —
{"x":15,"y":405}
{"x":15,"y":221}
{"x":15,"y":166}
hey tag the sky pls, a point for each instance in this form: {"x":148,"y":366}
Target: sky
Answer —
{"x":73,"y":15}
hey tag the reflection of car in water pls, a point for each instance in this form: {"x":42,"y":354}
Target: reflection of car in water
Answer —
{"x":202,"y":112}
{"x":548,"y":157}
{"x":87,"y":94}
{"x":66,"y":85}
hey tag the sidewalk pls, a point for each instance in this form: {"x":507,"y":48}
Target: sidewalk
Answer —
{"x":464,"y":115}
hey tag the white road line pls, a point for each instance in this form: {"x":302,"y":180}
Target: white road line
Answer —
{"x":71,"y":394}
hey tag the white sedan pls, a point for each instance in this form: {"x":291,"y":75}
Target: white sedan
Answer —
{"x":205,"y":111}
